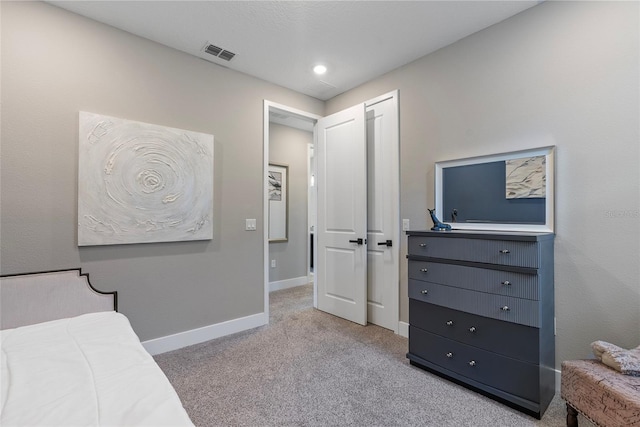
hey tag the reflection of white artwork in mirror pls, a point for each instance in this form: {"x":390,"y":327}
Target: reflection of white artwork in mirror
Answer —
{"x":526,"y":178}
{"x":142,"y":183}
{"x":277,"y":176}
{"x":501,"y":192}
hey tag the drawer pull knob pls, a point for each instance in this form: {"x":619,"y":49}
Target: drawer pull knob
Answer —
{"x":449,"y":355}
{"x":424,"y":270}
{"x":449,"y":322}
{"x":472,"y":363}
{"x":505,"y":308}
{"x":472,"y":329}
{"x":505,"y":251}
{"x":423,"y":245}
{"x":424,"y":292}
{"x":506,"y":283}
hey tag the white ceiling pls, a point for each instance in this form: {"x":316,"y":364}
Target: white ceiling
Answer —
{"x":281,"y":41}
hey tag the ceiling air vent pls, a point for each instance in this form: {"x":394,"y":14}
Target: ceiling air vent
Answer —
{"x":226,"y":55}
{"x":219,"y":52}
{"x":213,"y":50}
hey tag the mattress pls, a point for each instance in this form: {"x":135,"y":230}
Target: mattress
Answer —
{"x":89,"y":370}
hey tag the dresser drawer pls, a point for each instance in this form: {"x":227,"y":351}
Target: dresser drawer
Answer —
{"x":499,"y":282}
{"x":501,"y":252}
{"x":507,"y":374}
{"x":508,"y":339}
{"x":509,"y":309}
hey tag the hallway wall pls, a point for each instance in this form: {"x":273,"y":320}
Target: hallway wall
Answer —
{"x":288,"y":146}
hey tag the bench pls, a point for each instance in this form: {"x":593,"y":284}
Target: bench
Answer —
{"x":600,"y":393}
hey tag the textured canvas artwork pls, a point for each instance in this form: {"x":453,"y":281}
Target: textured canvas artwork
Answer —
{"x":526,"y":178}
{"x":142,"y":183}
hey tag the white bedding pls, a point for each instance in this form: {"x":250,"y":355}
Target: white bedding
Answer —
{"x":89,"y":370}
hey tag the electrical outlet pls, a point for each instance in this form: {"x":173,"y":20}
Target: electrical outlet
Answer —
{"x":273,"y":263}
{"x":405,"y":225}
{"x":250,"y":224}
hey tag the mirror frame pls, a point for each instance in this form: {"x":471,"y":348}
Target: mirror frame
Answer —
{"x":279,"y":216}
{"x":548,"y":226}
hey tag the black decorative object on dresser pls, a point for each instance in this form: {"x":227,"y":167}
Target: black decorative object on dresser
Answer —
{"x":481,"y":313}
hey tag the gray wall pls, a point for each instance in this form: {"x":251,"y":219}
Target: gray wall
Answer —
{"x":288,"y":146}
{"x":563,"y":74}
{"x":55,"y":63}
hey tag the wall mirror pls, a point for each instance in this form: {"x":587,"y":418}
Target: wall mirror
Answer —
{"x":501,"y":192}
{"x":278,"y":178}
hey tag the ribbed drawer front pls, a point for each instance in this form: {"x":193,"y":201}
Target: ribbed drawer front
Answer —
{"x":499,"y":282}
{"x":509,"y":339}
{"x":501,"y":252}
{"x":509,"y":309}
{"x":507,"y":374}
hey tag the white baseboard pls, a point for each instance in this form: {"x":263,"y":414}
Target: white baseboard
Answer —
{"x":205,"y":333}
{"x":288,"y":283}
{"x":403,"y":329}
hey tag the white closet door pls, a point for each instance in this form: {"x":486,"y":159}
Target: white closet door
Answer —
{"x":341,"y":272}
{"x":383,"y":235}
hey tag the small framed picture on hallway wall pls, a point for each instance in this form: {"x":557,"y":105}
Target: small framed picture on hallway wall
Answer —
{"x":278,"y":179}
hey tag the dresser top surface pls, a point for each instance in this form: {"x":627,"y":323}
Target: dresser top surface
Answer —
{"x":478,"y":234}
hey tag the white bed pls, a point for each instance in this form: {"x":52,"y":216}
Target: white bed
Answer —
{"x":78,"y":366}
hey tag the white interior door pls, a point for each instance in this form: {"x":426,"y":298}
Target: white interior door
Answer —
{"x":383,"y":214}
{"x":341,"y":172}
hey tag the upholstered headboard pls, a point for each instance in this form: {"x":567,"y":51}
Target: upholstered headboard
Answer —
{"x":31,"y":298}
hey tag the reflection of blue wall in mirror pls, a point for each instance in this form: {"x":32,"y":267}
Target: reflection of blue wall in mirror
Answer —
{"x":477,"y":192}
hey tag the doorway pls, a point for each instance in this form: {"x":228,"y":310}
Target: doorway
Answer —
{"x":290,"y":226}
{"x":288,"y":121}
{"x":381,"y":287}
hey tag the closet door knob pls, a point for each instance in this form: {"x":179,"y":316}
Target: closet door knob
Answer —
{"x":472,"y":363}
{"x":424,"y":270}
{"x":449,"y":355}
{"x":423,"y":245}
{"x":424,"y":292}
{"x":449,"y":322}
{"x":472,"y":329}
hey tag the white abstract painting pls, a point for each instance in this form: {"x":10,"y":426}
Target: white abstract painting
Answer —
{"x":142,"y":183}
{"x":526,"y":178}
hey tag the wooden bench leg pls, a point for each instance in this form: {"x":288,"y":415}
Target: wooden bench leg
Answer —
{"x":572,"y":416}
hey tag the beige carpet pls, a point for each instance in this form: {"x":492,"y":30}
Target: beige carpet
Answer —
{"x":308,"y":368}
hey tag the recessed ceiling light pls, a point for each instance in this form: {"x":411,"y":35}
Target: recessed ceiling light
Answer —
{"x":319,"y":69}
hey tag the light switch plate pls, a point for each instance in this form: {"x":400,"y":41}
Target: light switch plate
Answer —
{"x":250,"y":224}
{"x":405,"y":225}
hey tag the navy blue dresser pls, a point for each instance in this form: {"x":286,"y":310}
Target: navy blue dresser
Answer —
{"x":481,"y":313}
